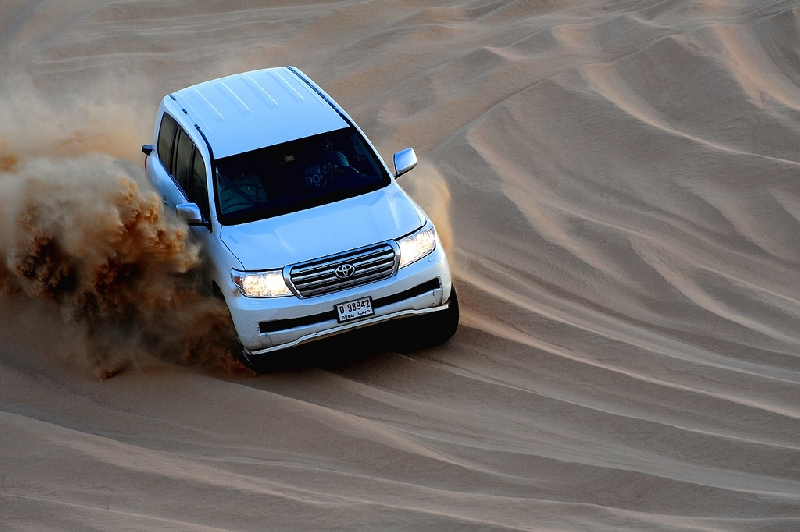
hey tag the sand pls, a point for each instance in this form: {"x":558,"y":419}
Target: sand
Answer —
{"x":616,"y":182}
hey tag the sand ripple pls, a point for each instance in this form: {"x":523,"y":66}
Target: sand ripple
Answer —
{"x":617,"y":182}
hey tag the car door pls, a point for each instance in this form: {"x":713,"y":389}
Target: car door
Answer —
{"x":181,"y":172}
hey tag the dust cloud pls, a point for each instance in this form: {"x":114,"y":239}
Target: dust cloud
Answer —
{"x":429,"y":189}
{"x":82,"y":228}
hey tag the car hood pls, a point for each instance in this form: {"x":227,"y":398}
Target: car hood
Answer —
{"x":325,"y":230}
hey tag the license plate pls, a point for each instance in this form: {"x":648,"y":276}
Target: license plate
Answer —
{"x":357,"y":308}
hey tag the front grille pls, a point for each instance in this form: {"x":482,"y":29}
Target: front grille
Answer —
{"x":317,"y":277}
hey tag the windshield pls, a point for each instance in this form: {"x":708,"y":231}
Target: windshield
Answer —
{"x":296,"y":175}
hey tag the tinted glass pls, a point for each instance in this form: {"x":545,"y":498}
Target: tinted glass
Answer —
{"x":296,"y":175}
{"x":198,"y":190}
{"x":166,"y":135}
{"x":183,"y":159}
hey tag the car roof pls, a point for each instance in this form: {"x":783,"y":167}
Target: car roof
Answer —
{"x":243,"y":112}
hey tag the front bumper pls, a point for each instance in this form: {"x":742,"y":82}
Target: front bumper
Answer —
{"x":270,"y":324}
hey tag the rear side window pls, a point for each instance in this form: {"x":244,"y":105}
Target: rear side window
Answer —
{"x":166,"y":137}
{"x":183,"y":159}
{"x":198,"y":185}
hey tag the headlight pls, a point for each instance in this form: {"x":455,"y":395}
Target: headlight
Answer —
{"x":417,"y":245}
{"x":261,"y":284}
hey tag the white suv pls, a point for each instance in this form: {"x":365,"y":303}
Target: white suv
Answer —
{"x":306,"y":231}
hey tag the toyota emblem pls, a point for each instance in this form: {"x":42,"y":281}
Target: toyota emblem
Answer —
{"x":344,"y":270}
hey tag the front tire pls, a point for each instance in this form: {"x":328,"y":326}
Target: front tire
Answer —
{"x":259,"y":364}
{"x":430,"y":330}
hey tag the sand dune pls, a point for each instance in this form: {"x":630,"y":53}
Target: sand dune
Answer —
{"x":617,"y":183}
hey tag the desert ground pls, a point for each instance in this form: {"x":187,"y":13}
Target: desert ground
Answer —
{"x":618,"y":186}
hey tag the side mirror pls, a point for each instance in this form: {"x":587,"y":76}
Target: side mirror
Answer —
{"x":404,"y":161}
{"x":189,"y":213}
{"x":147,"y":149}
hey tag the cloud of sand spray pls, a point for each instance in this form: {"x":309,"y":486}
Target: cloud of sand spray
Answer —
{"x":86,"y":235}
{"x":85,"y":231}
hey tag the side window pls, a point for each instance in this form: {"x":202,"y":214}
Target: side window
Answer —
{"x":183,"y":159}
{"x":166,"y":136}
{"x":198,"y":188}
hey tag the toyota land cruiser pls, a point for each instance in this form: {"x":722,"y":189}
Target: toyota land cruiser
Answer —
{"x":306,"y":230}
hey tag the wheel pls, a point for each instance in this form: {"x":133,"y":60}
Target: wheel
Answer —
{"x":261,"y":364}
{"x":429,"y":330}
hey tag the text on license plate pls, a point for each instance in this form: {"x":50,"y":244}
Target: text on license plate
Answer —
{"x":357,"y":308}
